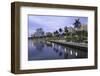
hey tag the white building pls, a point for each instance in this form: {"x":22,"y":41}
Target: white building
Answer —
{"x":71,"y":29}
{"x":39,"y":32}
{"x":83,"y":27}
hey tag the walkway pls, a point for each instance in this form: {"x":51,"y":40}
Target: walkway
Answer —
{"x":82,"y":46}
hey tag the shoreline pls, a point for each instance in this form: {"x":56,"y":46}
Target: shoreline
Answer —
{"x":71,"y":44}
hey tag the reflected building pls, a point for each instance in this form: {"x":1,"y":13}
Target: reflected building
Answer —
{"x":39,"y":45}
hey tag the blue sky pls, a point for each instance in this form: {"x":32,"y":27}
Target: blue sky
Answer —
{"x":51,"y":23}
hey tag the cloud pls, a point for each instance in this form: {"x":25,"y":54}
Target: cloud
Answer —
{"x":51,"y":23}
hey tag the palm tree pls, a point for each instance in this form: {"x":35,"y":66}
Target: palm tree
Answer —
{"x":77,"y":25}
{"x":57,"y":33}
{"x":60,"y":31}
{"x":66,"y":29}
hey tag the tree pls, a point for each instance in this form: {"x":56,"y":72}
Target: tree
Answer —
{"x":49,"y":34}
{"x":77,"y":23}
{"x":60,"y":30}
{"x":54,"y":33}
{"x":57,"y":33}
{"x":66,"y":29}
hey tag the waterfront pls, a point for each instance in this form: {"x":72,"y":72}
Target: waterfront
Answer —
{"x":42,"y":50}
{"x":57,"y":37}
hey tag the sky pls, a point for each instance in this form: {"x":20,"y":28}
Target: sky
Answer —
{"x":51,"y":23}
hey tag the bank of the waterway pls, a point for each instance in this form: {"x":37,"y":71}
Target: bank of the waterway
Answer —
{"x":80,"y":46}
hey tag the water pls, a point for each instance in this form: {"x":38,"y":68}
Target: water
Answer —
{"x":42,"y":50}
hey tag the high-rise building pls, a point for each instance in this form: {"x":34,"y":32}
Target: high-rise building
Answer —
{"x":39,"y":32}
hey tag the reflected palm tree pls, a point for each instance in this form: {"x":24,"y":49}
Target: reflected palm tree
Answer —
{"x":60,"y":54}
{"x":55,"y":49}
{"x":66,"y":55}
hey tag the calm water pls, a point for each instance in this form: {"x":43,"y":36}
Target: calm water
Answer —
{"x":41,"y":50}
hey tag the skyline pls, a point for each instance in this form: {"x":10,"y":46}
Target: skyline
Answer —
{"x":51,"y":23}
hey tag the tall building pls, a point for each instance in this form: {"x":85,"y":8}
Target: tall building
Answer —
{"x":83,"y":27}
{"x":39,"y":32}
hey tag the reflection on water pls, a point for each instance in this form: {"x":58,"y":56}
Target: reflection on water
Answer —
{"x":39,"y":45}
{"x":42,"y":50}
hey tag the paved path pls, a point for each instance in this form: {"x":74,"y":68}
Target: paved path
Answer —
{"x":71,"y":44}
